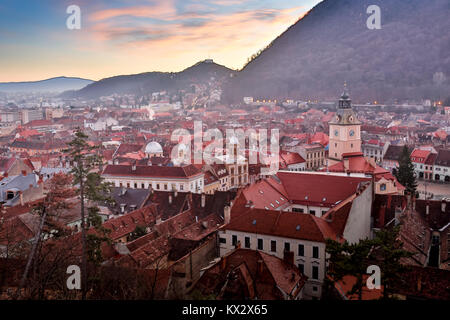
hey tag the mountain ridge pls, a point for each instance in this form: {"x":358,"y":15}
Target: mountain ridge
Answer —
{"x":331,"y":45}
{"x":55,"y":84}
{"x":152,"y":81}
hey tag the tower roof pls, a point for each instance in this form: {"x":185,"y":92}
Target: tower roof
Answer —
{"x":345,"y":114}
{"x":345,"y":102}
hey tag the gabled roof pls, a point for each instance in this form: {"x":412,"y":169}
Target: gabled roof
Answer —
{"x":318,"y":189}
{"x":419,"y":155}
{"x":250,"y":274}
{"x":282,"y":224}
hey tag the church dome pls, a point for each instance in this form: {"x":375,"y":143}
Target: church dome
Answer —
{"x":153,"y":148}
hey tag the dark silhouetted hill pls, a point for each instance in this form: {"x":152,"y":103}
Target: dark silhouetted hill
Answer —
{"x":332,"y":44}
{"x":146,"y":83}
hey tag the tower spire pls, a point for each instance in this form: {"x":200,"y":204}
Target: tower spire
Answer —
{"x":344,"y":101}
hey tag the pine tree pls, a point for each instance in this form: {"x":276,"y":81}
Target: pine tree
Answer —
{"x":388,"y":252}
{"x":405,"y":172}
{"x":349,"y":259}
{"x":85,"y":165}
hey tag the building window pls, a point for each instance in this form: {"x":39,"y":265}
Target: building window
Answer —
{"x":247,"y":242}
{"x":181,"y":187}
{"x":128,"y":185}
{"x":316,"y":252}
{"x":287,"y":246}
{"x":135,"y":185}
{"x":383,"y":187}
{"x":222,"y":240}
{"x":260,"y":244}
{"x":301,"y":250}
{"x":234,"y":240}
{"x":143,"y":186}
{"x":312,"y":212}
{"x":315,"y":272}
{"x":301,"y":268}
{"x":315,"y":289}
{"x":273,"y":246}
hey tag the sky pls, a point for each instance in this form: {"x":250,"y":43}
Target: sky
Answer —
{"x":133,"y":36}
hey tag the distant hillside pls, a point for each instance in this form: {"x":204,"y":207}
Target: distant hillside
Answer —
{"x":59,"y":84}
{"x":149,"y":82}
{"x":332,"y":44}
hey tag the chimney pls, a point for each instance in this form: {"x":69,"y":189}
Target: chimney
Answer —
{"x":133,"y":167}
{"x":170,"y":199}
{"x":24,"y":173}
{"x":382,"y":216}
{"x":260,"y":267}
{"x":227,"y":214}
{"x":398,"y":213}
{"x":292,"y":277}
{"x":347,"y":165}
{"x":203,"y":200}
{"x":21,"y":197}
{"x":408,"y":201}
{"x":427,"y":209}
{"x":175,"y":193}
{"x":224,"y":263}
{"x":288,"y":257}
{"x":443,"y":205}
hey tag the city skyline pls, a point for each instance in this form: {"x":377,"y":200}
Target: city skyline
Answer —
{"x":128,"y":37}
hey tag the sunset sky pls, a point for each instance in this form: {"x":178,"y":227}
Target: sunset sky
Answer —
{"x":134,"y":36}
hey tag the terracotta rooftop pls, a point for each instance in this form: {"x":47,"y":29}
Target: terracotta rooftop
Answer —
{"x":152,"y":171}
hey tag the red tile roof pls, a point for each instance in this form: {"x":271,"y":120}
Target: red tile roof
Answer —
{"x":126,"y":224}
{"x":419,"y":155}
{"x":282,"y":224}
{"x":152,"y":171}
{"x":317,"y":189}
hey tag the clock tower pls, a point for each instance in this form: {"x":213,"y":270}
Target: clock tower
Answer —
{"x":345,"y":130}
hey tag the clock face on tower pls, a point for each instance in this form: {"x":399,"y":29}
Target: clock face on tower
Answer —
{"x":336,"y":132}
{"x":352,"y":133}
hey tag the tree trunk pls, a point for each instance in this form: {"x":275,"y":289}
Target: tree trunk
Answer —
{"x":83,"y":240}
{"x":32,"y":254}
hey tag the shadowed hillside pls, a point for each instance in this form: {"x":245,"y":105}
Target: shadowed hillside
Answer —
{"x":332,"y":44}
